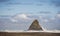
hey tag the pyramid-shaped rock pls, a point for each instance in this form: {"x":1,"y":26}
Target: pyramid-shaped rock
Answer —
{"x":35,"y":26}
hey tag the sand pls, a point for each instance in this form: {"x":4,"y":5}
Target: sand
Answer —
{"x":28,"y":34}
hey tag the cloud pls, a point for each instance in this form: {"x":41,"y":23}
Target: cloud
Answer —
{"x":58,"y":15}
{"x":40,"y":17}
{"x":52,"y":18}
{"x":20,"y":17}
{"x":13,"y":20}
{"x":52,"y":23}
{"x":45,"y":20}
{"x":23,"y":16}
{"x":48,"y":23}
{"x":23,"y":21}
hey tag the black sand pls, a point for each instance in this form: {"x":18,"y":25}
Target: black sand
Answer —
{"x":29,"y":34}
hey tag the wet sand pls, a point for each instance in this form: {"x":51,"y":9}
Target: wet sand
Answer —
{"x":28,"y":34}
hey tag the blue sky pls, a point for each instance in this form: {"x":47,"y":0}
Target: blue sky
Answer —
{"x":12,"y":7}
{"x":23,"y":12}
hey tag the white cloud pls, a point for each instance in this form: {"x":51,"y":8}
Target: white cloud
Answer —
{"x":40,"y":17}
{"x":52,"y":18}
{"x":58,"y":15}
{"x":25,"y":17}
{"x":45,"y":20}
{"x":22,"y":16}
{"x":13,"y":20}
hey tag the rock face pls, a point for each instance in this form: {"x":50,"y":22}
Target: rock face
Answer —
{"x":35,"y":26}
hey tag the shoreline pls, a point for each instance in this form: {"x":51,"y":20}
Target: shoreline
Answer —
{"x":28,"y":34}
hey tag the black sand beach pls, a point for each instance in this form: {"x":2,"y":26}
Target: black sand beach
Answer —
{"x":28,"y":34}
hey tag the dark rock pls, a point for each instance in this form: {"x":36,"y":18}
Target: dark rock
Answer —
{"x":35,"y":26}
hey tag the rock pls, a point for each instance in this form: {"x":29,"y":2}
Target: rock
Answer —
{"x":35,"y":26}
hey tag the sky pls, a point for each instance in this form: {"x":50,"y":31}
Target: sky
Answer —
{"x":12,"y":7}
{"x":23,"y":12}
